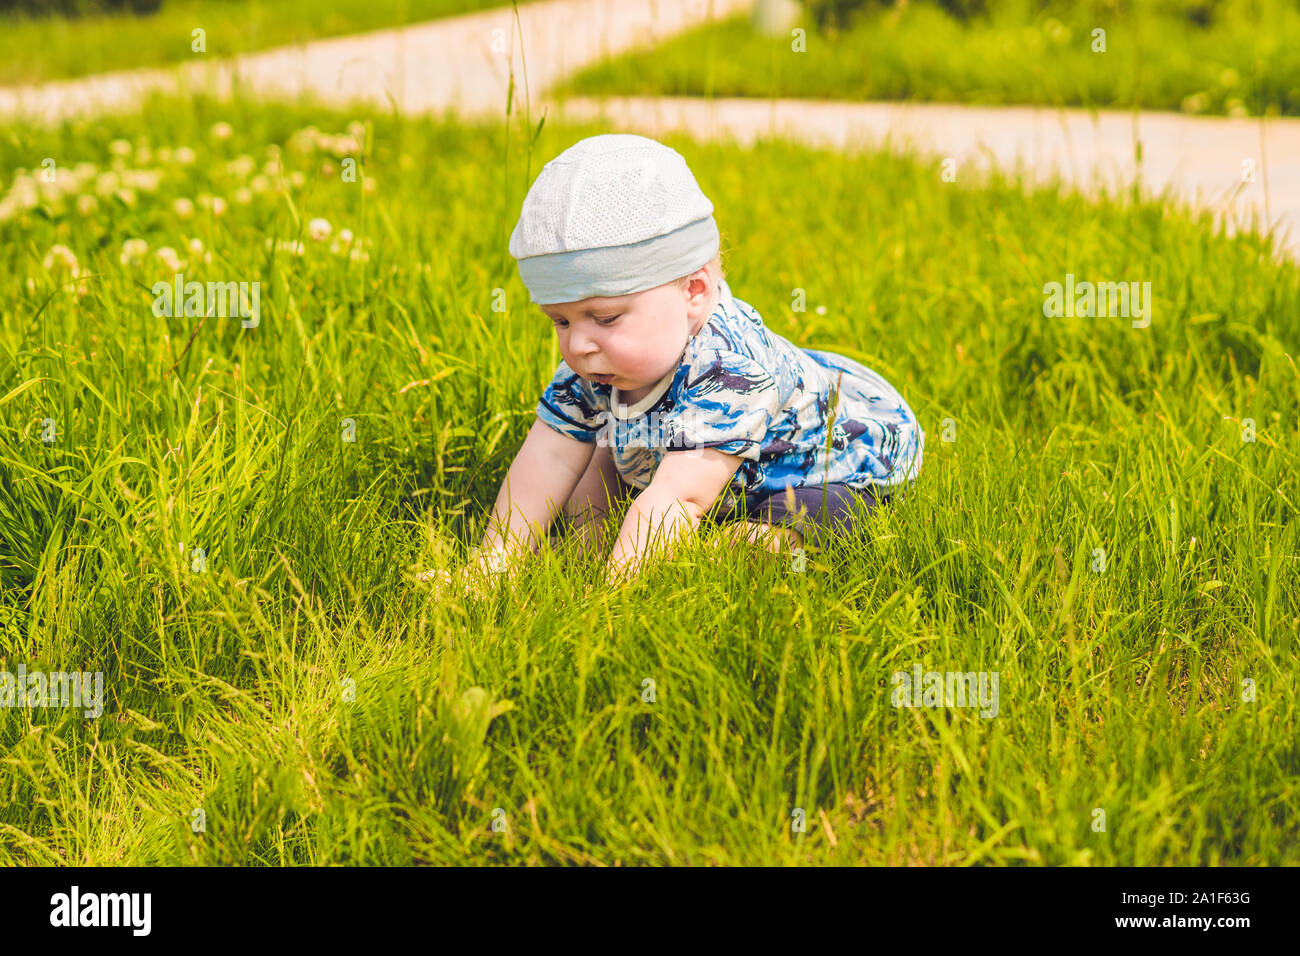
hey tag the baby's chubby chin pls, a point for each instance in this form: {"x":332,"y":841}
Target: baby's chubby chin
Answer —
{"x":622,"y":382}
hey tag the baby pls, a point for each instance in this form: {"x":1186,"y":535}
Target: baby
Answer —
{"x":671,"y":390}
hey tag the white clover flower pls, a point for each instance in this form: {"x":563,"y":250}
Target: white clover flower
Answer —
{"x":820,"y":310}
{"x":61,"y":257}
{"x":352,"y":144}
{"x":68,"y":183}
{"x":120,"y":147}
{"x":145,"y":179}
{"x":165,"y":154}
{"x":242,"y":196}
{"x":319,"y":229}
{"x":105,"y":184}
{"x":167,"y":255}
{"x":342,"y":243}
{"x":297,"y":179}
{"x":143,"y":156}
{"x":183,"y":208}
{"x":185,"y":156}
{"x":195,"y":246}
{"x":24,"y":194}
{"x":222,"y":130}
{"x":218,"y":206}
{"x":126,"y":195}
{"x":133,"y":252}
{"x":359,"y":255}
{"x":304,"y":140}
{"x":259,"y":184}
{"x":357,"y":128}
{"x":242,"y":166}
{"x":370,"y":184}
{"x":87,"y":205}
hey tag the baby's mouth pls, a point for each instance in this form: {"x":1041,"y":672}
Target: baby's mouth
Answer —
{"x":603,"y":379}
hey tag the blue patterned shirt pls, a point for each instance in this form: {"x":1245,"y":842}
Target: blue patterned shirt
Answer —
{"x":747,"y":391}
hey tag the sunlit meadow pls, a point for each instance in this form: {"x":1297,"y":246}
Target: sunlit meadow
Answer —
{"x":225,"y":519}
{"x":1233,"y":57}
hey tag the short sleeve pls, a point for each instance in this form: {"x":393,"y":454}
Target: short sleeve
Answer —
{"x":571,"y":406}
{"x":729,"y":403}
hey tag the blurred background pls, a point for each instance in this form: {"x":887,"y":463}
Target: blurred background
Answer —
{"x":1223,"y":57}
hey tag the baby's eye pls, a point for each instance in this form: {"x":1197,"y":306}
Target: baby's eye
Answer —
{"x":609,"y":321}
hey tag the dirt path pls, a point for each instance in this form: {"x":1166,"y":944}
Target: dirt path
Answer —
{"x":1232,"y":167}
{"x":461,"y":63}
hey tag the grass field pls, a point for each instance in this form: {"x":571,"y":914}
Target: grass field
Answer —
{"x":1244,"y":61}
{"x":38,"y":49}
{"x":289,"y":695}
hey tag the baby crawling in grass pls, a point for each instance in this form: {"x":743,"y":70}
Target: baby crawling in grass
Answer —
{"x":672,"y":396}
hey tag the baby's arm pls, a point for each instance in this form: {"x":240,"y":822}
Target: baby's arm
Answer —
{"x":539,"y":482}
{"x":683,"y":488}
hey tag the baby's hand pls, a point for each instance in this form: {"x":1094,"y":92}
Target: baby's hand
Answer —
{"x":484,"y":566}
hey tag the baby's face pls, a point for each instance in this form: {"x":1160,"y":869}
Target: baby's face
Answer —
{"x":630,"y":341}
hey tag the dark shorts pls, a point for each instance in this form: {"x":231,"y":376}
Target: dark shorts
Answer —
{"x":815,"y":511}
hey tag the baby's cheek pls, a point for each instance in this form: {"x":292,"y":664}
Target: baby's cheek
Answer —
{"x":638,"y":360}
{"x":655,"y":355}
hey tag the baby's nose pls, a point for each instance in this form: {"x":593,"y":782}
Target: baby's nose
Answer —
{"x":582,"y":343}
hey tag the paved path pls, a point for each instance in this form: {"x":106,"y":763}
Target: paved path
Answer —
{"x":461,"y":63}
{"x":1233,"y":167}
{"x":464,"y":63}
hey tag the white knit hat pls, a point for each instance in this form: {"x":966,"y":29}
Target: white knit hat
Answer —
{"x":612,"y":215}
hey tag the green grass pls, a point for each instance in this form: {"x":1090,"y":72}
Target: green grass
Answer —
{"x":36,"y":50}
{"x":225,"y":689}
{"x":1018,"y":54}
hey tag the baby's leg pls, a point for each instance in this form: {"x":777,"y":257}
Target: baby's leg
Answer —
{"x":599,"y":488}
